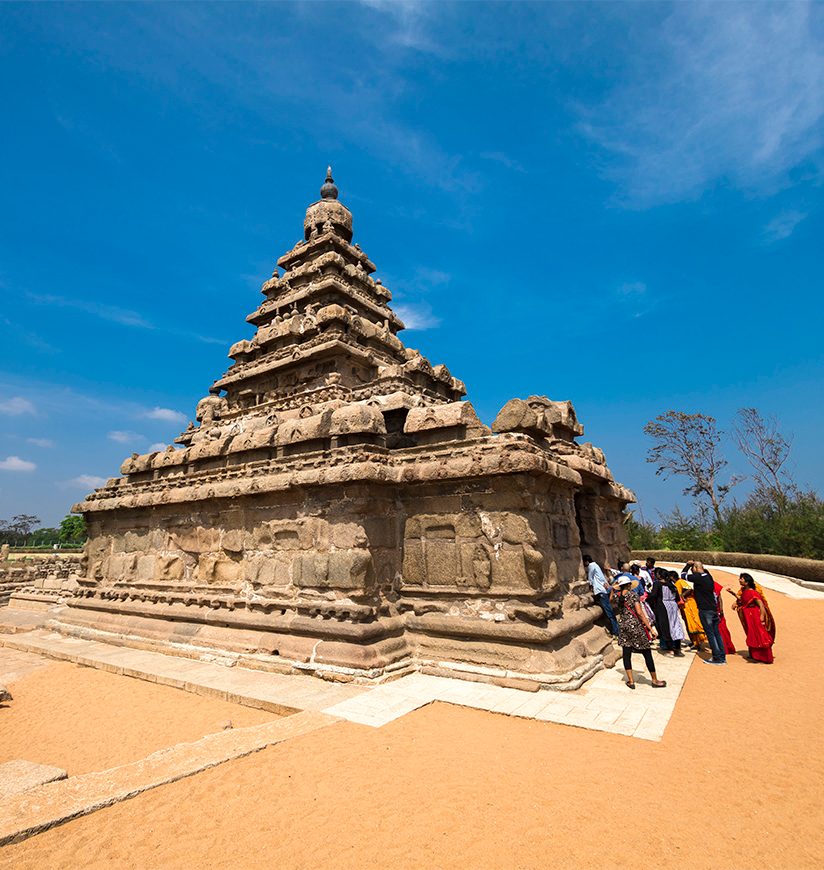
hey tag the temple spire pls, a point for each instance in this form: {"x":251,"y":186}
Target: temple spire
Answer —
{"x":329,"y":190}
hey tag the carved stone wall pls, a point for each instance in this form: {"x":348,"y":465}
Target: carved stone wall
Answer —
{"x":49,"y":572}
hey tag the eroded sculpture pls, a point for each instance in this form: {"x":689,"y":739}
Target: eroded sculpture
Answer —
{"x":340,"y":510}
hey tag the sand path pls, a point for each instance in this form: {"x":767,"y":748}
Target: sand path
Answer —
{"x":735,"y":783}
{"x":83,"y":719}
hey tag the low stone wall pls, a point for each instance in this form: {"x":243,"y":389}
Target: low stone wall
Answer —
{"x":808,"y":570}
{"x":42,"y":571}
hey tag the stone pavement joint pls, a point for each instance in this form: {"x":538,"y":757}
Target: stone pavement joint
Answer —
{"x":38,"y":809}
{"x":18,"y":776}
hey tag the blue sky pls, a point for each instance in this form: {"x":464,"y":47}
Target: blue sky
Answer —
{"x":616,"y":204}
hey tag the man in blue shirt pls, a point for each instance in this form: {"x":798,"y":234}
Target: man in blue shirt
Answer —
{"x":600,"y":589}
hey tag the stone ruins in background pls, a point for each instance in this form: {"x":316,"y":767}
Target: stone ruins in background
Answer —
{"x":339,"y":510}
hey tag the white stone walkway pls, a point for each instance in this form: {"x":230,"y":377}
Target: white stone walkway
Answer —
{"x":604,"y":703}
{"x":775,"y":582}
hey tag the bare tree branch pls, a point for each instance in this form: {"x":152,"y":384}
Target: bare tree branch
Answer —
{"x":689,"y":445}
{"x":767,"y":452}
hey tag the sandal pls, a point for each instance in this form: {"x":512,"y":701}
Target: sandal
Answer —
{"x":629,"y":685}
{"x":660,"y":684}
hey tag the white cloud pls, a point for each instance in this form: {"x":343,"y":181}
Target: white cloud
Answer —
{"x":723,"y":93}
{"x":157,"y":447}
{"x":40,"y":442}
{"x":124,"y":437}
{"x":417,"y":316}
{"x":166,"y":414}
{"x":15,"y":463}
{"x":783,"y":225}
{"x":16,"y":406}
{"x":87,"y":481}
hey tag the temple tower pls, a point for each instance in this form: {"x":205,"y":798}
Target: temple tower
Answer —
{"x":339,"y":510}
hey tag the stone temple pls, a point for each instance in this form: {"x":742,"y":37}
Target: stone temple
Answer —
{"x":339,"y":510}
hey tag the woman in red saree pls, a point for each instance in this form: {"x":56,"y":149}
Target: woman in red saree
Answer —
{"x":755,"y":616}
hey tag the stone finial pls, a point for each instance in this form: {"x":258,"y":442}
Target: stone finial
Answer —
{"x":329,"y":190}
{"x":328,"y":214}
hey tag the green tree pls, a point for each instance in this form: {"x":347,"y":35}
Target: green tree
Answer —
{"x":72,"y":530}
{"x":641,"y":534}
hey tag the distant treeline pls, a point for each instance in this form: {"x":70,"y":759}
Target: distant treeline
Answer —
{"x":24,"y":530}
{"x":779,"y":517}
{"x":757,"y":526}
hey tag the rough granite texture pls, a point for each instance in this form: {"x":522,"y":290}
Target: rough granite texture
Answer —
{"x":339,"y":510}
{"x":19,"y":776}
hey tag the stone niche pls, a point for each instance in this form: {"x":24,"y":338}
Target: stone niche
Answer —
{"x":339,"y":509}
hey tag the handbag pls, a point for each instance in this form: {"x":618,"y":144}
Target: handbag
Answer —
{"x":632,"y":610}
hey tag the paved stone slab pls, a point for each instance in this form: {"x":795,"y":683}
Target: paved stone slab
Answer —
{"x":603,"y":704}
{"x":277,"y":693}
{"x":776,"y":582}
{"x":14,"y":620}
{"x":15,"y":664}
{"x":46,"y":806}
{"x":18,"y":776}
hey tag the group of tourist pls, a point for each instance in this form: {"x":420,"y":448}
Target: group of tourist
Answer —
{"x":643,"y":603}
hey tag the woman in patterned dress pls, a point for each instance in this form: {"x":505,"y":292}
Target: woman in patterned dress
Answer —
{"x":635,"y":633}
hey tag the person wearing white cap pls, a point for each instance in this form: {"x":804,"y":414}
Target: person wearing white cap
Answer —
{"x":635,"y":632}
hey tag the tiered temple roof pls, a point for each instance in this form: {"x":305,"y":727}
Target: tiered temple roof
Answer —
{"x":340,"y":510}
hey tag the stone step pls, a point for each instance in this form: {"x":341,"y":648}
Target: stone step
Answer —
{"x":38,"y":809}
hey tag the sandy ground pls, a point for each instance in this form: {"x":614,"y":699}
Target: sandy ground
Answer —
{"x":735,"y":783}
{"x":83,"y":719}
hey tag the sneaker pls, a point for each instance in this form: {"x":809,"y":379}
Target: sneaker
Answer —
{"x":712,"y":662}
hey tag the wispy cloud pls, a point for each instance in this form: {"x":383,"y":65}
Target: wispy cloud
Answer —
{"x":417,"y":316}
{"x":783,"y":225}
{"x":18,"y":332}
{"x":724,"y":93}
{"x":15,"y":463}
{"x":86,"y":481}
{"x":41,"y":442}
{"x":503,"y":159}
{"x":408,"y":24}
{"x":251,"y":59}
{"x":157,"y":447}
{"x":16,"y":406}
{"x":634,"y":300}
{"x":112,"y":313}
{"x":166,"y":414}
{"x":125,"y":437}
{"x":412,"y":308}
{"x":632,"y":289}
{"x":120,"y":316}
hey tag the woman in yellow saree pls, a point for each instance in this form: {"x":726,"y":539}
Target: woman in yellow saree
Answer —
{"x":689,"y":610}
